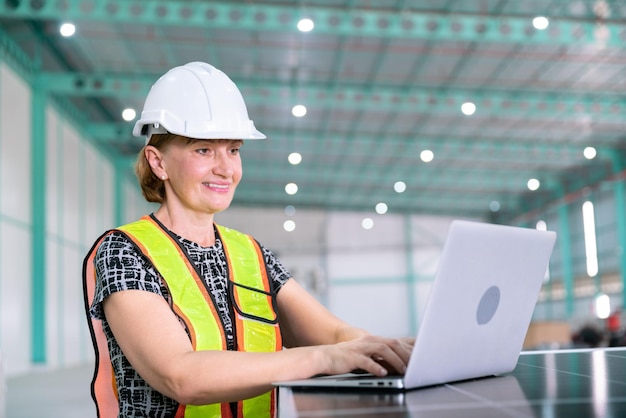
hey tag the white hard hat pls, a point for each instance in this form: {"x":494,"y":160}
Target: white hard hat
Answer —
{"x":198,"y":101}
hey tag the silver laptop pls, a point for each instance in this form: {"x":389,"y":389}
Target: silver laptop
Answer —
{"x":478,"y":312}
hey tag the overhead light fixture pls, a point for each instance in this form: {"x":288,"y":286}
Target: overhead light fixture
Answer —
{"x":67,"y":29}
{"x":541,"y":22}
{"x":128,"y":114}
{"x":589,"y":231}
{"x":590,"y":153}
{"x":367,"y":223}
{"x":602,"y":306}
{"x":427,"y":155}
{"x":298,"y":111}
{"x":290,"y":210}
{"x":533,"y":184}
{"x":291,"y":188}
{"x":289,"y":225}
{"x":399,"y":186}
{"x":294,"y":158}
{"x":381,"y":208}
{"x":305,"y":25}
{"x":468,"y":108}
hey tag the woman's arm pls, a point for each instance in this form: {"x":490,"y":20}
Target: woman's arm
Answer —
{"x":157,"y":346}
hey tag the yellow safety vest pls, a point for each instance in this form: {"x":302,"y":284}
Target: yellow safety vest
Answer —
{"x":256,"y":321}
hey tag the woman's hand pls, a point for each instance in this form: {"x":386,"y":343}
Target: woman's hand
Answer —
{"x":377,"y":355}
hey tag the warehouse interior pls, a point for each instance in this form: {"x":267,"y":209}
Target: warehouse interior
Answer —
{"x":386,"y":120}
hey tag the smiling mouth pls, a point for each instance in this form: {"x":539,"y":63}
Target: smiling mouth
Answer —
{"x":217,"y":186}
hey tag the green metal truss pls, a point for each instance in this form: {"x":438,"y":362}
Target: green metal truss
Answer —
{"x":407,"y":24}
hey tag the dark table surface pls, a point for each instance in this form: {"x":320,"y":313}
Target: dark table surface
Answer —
{"x":560,"y":383}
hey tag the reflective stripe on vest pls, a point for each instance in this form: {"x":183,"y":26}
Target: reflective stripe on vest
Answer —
{"x":255,"y":322}
{"x":256,"y":319}
{"x":103,"y":388}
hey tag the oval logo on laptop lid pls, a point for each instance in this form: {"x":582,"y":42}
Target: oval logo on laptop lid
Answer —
{"x":488,"y":305}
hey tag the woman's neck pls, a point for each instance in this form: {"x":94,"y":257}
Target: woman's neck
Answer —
{"x":194,"y":227}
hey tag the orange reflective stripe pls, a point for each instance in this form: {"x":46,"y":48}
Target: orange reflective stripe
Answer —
{"x":252,"y":335}
{"x":103,"y":388}
{"x":250,"y":271}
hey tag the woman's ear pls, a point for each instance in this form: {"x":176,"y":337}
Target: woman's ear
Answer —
{"x":155,"y":160}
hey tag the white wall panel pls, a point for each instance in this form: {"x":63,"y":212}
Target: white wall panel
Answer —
{"x":355,"y":253}
{"x":54,"y":164}
{"x":381,"y":309}
{"x":266,"y":225}
{"x":308,"y":270}
{"x":135,"y":205}
{"x":357,"y":265}
{"x":72,"y":317}
{"x":54,"y":302}
{"x":15,"y":140}
{"x":71,"y":176}
{"x":345,"y":231}
{"x":15,"y":297}
{"x":98,"y":201}
{"x":15,"y":244}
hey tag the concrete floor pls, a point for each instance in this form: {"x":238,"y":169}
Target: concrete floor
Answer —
{"x":51,"y":394}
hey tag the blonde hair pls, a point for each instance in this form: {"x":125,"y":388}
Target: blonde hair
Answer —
{"x":152,"y":187}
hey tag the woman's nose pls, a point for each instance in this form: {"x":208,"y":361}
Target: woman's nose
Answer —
{"x":224,"y":164}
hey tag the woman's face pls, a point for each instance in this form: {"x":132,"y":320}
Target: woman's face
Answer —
{"x":202,"y":175}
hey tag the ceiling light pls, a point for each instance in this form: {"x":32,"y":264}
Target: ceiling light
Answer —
{"x":533,"y":184}
{"x":128,"y":114}
{"x":589,"y":233}
{"x":291,"y":188}
{"x":427,"y":155}
{"x":67,"y":29}
{"x":399,"y":186}
{"x":289,"y":225}
{"x":298,"y":111}
{"x":602,"y":306}
{"x":294,"y":158}
{"x":367,"y":223}
{"x":381,"y":208}
{"x":590,"y":153}
{"x":305,"y":25}
{"x":541,"y":22}
{"x":290,"y":210}
{"x":468,"y":108}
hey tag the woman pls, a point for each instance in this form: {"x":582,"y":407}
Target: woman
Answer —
{"x":190,"y":318}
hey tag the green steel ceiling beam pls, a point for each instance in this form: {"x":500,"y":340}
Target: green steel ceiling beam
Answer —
{"x":97,"y":85}
{"x":459,"y":180}
{"x":505,"y":179}
{"x":332,"y":21}
{"x":12,"y":53}
{"x":490,"y":102}
{"x":499,"y":150}
{"x":607,"y":106}
{"x":442,"y":204}
{"x":110,"y":132}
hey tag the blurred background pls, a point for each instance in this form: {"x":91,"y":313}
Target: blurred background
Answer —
{"x":385,"y":121}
